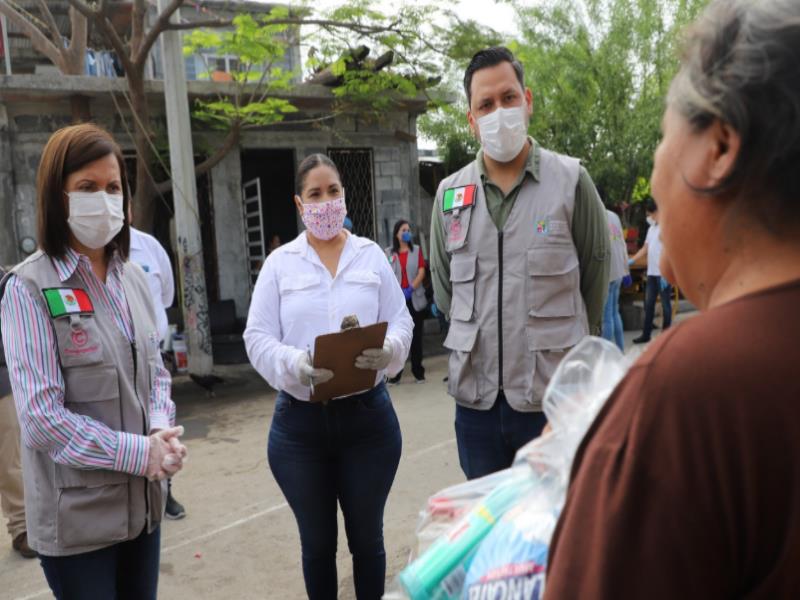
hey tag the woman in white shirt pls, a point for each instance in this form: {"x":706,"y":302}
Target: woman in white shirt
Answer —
{"x":347,"y":450}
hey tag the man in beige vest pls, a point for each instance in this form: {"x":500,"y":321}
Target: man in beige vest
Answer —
{"x":12,"y":497}
{"x":519,"y":261}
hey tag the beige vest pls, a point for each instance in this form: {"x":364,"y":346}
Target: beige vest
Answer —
{"x":70,"y":510}
{"x":516,"y":307}
{"x":418,"y":299}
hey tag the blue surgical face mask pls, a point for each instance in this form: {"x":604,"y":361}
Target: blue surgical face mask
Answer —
{"x":406,"y":237}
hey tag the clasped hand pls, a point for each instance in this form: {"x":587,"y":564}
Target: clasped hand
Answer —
{"x":167,"y":454}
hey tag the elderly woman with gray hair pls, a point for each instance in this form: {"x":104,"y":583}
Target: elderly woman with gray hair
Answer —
{"x":688,"y":483}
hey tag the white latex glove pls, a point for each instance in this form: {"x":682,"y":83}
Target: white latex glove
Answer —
{"x":166,"y":454}
{"x":375,"y":359}
{"x":307,"y":374}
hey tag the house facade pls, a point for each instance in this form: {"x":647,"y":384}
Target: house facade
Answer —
{"x":246,"y":200}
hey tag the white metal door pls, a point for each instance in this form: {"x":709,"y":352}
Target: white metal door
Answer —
{"x":254,"y":228}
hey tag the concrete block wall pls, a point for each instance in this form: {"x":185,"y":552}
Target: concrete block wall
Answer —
{"x":26,"y":127}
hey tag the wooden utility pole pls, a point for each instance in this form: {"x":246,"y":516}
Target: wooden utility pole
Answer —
{"x":191,"y":273}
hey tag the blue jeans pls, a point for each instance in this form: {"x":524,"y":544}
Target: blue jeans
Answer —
{"x":652,"y":292}
{"x":347,"y":451}
{"x":612,"y":320}
{"x":488,"y":440}
{"x":124,"y":571}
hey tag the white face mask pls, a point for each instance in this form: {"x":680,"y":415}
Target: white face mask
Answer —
{"x":651,"y":221}
{"x":95,"y":217}
{"x":503,"y":132}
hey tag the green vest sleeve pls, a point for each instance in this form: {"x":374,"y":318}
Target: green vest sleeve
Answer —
{"x":440,"y":260}
{"x":590,"y":233}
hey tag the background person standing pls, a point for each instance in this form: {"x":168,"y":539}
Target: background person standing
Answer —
{"x":408,"y":264}
{"x":147,"y":252}
{"x":12,"y":495}
{"x":519,"y":259}
{"x":656,"y":285}
{"x":618,"y":271}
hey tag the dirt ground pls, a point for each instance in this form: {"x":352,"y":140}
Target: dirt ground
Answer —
{"x":239,"y":538}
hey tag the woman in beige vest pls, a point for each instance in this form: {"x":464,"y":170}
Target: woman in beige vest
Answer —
{"x":93,"y":398}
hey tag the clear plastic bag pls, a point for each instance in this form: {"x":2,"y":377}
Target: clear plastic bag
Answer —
{"x":462,"y":551}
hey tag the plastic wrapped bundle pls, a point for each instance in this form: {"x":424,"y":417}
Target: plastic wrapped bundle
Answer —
{"x":464,"y":553}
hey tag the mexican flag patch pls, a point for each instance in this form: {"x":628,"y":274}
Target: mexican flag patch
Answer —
{"x":458,"y":197}
{"x":67,"y":301}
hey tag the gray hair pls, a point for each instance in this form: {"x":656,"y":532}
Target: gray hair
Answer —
{"x":741,"y":66}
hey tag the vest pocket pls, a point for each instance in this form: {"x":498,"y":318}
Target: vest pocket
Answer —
{"x":461,"y":339}
{"x":456,"y":228}
{"x":92,"y":515}
{"x":558,"y":333}
{"x":554,"y":281}
{"x":94,"y":392}
{"x":545,"y":365}
{"x":79,"y":341}
{"x":298,"y":283}
{"x":462,"y":276}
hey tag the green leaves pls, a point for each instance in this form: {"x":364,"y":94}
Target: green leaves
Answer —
{"x":254,"y":54}
{"x":599,"y":71}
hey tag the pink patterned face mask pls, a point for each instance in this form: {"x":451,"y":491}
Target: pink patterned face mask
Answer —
{"x":325,"y":219}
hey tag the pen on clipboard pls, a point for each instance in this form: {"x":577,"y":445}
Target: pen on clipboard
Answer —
{"x":310,"y":362}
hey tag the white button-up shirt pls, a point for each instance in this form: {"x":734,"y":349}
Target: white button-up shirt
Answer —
{"x":653,"y":241}
{"x":296,"y":299}
{"x":147,"y":252}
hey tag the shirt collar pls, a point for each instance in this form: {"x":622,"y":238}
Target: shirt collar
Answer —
{"x":531,"y":164}
{"x":66,"y":266}
{"x":136,"y":239}
{"x":300,"y":244}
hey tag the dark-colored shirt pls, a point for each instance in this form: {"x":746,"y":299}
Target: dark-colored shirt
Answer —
{"x":688,"y":483}
{"x":589,"y":233}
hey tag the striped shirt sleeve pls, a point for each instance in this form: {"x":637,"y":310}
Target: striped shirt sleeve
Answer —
{"x":162,"y":408}
{"x":38,"y":387}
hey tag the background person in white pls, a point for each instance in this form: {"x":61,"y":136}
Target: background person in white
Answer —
{"x":347,"y":450}
{"x":618,"y":276}
{"x":147,"y":252}
{"x":656,"y":284}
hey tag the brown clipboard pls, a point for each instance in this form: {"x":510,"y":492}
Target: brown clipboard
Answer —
{"x":338,"y":352}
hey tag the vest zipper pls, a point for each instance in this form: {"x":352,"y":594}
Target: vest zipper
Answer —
{"x":144,"y":427}
{"x":500,"y":309}
{"x":135,"y":366}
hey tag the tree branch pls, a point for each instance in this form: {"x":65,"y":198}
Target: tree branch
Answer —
{"x":77,"y":45}
{"x":38,"y":39}
{"x":355,"y":27}
{"x":162,"y":24}
{"x":231,"y":139}
{"x":51,"y":23}
{"x":82,"y":8}
{"x":138,"y":18}
{"x":212,"y":24}
{"x":227,"y":145}
{"x":108,"y":31}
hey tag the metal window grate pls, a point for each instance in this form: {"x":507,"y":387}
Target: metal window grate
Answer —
{"x":355,"y":167}
{"x":254,"y":228}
